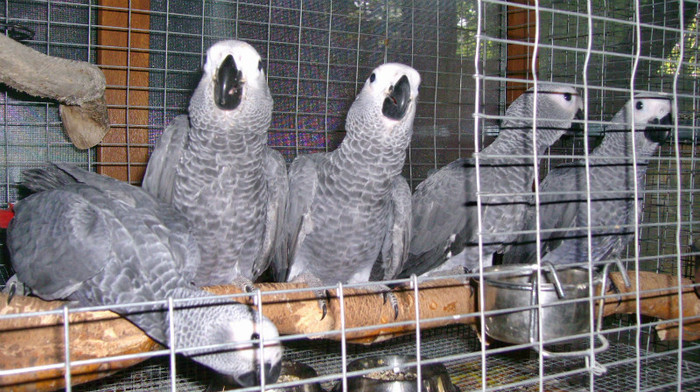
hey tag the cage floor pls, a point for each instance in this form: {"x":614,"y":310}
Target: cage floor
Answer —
{"x":512,"y":371}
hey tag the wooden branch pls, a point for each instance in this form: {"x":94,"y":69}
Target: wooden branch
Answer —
{"x":659,"y":298}
{"x":77,"y":85}
{"x":36,"y":341}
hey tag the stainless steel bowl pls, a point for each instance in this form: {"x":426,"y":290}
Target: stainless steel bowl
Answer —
{"x":515,"y":287}
{"x":296,"y":371}
{"x":398,"y":378}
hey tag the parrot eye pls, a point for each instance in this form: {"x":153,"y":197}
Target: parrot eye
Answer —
{"x":260,"y":65}
{"x":372,"y":77}
{"x":639,"y":105}
{"x":255,"y":336}
{"x":567,"y":96}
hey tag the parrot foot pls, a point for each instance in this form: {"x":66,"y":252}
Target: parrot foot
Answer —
{"x":13,"y":287}
{"x":387,"y":295}
{"x":321,"y":295}
{"x":247,"y":286}
{"x":393,"y":301}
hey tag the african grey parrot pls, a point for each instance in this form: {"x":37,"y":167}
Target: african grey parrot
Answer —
{"x":563,"y":192}
{"x":350,"y":209}
{"x":444,"y":226}
{"x":215,"y":168}
{"x":98,"y":241}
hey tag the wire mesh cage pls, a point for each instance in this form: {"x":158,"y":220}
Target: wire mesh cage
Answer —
{"x":475,"y":58}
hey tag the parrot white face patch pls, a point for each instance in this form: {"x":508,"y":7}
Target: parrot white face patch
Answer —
{"x":566,"y":97}
{"x":381,"y":84}
{"x":245,"y":331}
{"x":648,"y":109}
{"x":247,"y":61}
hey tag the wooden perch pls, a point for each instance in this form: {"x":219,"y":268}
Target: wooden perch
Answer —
{"x":35,"y":341}
{"x":662,"y":304}
{"x":77,"y":85}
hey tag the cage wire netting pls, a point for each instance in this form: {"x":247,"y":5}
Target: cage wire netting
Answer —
{"x":317,"y":55}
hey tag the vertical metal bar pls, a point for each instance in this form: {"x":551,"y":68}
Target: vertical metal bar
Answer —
{"x":328,"y":76}
{"x":638,"y":50}
{"x":679,"y":199}
{"x":359,"y":36}
{"x":166,"y":66}
{"x":47,"y":105}
{"x":413,"y":40}
{"x":296,"y":98}
{"x":202,"y":48}
{"x":6,"y":130}
{"x":459,"y":103}
{"x":535,"y":79}
{"x":66,"y":351}
{"x":386,"y":29}
{"x":89,"y":60}
{"x":127,"y":116}
{"x":477,"y":131}
{"x":343,"y":338}
{"x":437,"y":83}
{"x":258,"y":298}
{"x":589,"y":233}
{"x":416,"y":302}
{"x":172,"y":344}
{"x":269,"y":32}
{"x":237,"y":21}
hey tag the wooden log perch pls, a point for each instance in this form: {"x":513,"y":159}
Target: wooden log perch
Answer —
{"x":36,"y":341}
{"x":77,"y":85}
{"x":659,"y":298}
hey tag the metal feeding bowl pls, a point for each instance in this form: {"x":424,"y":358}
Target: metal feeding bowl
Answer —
{"x":515,"y":286}
{"x":397,"y":378}
{"x":297,"y":371}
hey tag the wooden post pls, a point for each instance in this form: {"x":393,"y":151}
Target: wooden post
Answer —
{"x":521,"y":27}
{"x":123,"y":42}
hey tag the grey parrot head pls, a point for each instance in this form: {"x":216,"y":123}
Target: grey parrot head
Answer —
{"x":385,"y":108}
{"x":652,"y":116}
{"x":233,"y":89}
{"x":238,"y":327}
{"x":557,"y":106}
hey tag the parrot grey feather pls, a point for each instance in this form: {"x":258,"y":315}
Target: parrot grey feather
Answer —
{"x":274,"y":243}
{"x":563,"y":201}
{"x":395,"y":247}
{"x":348,"y":209}
{"x":159,"y":178}
{"x":303,"y":180}
{"x":99,"y":241}
{"x":443,"y":225}
{"x":222,"y":176}
{"x":440,"y":218}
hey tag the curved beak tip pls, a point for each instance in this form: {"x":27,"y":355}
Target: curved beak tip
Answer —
{"x":659,"y":134}
{"x":396,"y":103}
{"x":228,"y":85}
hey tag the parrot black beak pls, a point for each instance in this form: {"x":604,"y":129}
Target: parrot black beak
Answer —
{"x":577,"y":127}
{"x":659,"y":134}
{"x":272,"y":373}
{"x":228,"y":86}
{"x":396,"y":103}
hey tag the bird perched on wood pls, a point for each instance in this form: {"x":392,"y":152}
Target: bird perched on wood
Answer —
{"x":351,"y":208}
{"x":215,"y":168}
{"x":445,"y":228}
{"x":98,"y":241}
{"x":563,"y":202}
